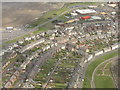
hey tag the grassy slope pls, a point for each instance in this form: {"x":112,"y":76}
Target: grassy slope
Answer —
{"x":95,"y":63}
{"x":103,"y":82}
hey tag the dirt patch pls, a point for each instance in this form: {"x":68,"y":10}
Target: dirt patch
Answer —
{"x":20,"y":13}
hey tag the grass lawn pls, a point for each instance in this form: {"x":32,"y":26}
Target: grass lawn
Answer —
{"x":86,"y":83}
{"x":95,"y":63}
{"x":41,"y":29}
{"x":104,"y":82}
{"x":60,"y":85}
{"x":81,"y":3}
{"x":99,"y":60}
{"x":48,"y":15}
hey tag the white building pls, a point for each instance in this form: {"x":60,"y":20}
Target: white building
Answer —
{"x":92,"y":6}
{"x":90,"y":57}
{"x":69,"y":28}
{"x":112,"y":5}
{"x":20,"y":42}
{"x":98,"y":53}
{"x":115,"y":46}
{"x":63,"y":47}
{"x":95,"y":18}
{"x":113,"y":13}
{"x":107,"y":49}
{"x":73,"y":14}
{"x":9,"y":28}
{"x":51,"y":37}
{"x":85,"y":11}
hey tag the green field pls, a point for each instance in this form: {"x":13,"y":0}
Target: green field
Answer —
{"x":104,"y":82}
{"x":94,"y":64}
{"x":104,"y":79}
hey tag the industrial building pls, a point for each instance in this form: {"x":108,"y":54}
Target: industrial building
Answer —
{"x":86,"y":11}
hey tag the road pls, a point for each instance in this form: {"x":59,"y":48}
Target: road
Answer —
{"x":85,"y":66}
{"x":93,"y":75}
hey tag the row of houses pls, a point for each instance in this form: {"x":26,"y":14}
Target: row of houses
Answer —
{"x":97,"y":53}
{"x":22,"y":68}
{"x":31,"y":45}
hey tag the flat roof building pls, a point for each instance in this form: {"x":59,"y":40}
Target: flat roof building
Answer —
{"x":85,"y":11}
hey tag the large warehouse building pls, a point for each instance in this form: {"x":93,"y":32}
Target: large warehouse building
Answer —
{"x":86,"y":11}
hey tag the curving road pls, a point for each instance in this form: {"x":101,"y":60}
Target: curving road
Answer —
{"x":93,"y":75}
{"x":85,"y":66}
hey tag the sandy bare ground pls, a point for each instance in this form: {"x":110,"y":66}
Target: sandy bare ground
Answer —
{"x":21,"y":13}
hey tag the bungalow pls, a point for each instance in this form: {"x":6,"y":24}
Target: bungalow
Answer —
{"x":20,"y":42}
{"x":56,"y":44}
{"x":45,"y":48}
{"x":74,"y":33}
{"x":33,"y":37}
{"x":63,"y":47}
{"x":107,"y":49}
{"x":69,"y":28}
{"x":51,"y":37}
{"x":115,"y":46}
{"x":37,"y":36}
{"x":2,"y":53}
{"x":97,"y":53}
{"x":90,"y":57}
{"x":73,"y":14}
{"x":10,"y":48}
{"x":42,"y":33}
{"x":87,"y":35}
{"x":52,"y":45}
{"x":15,"y":45}
{"x":85,"y":61}
{"x":27,"y":38}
